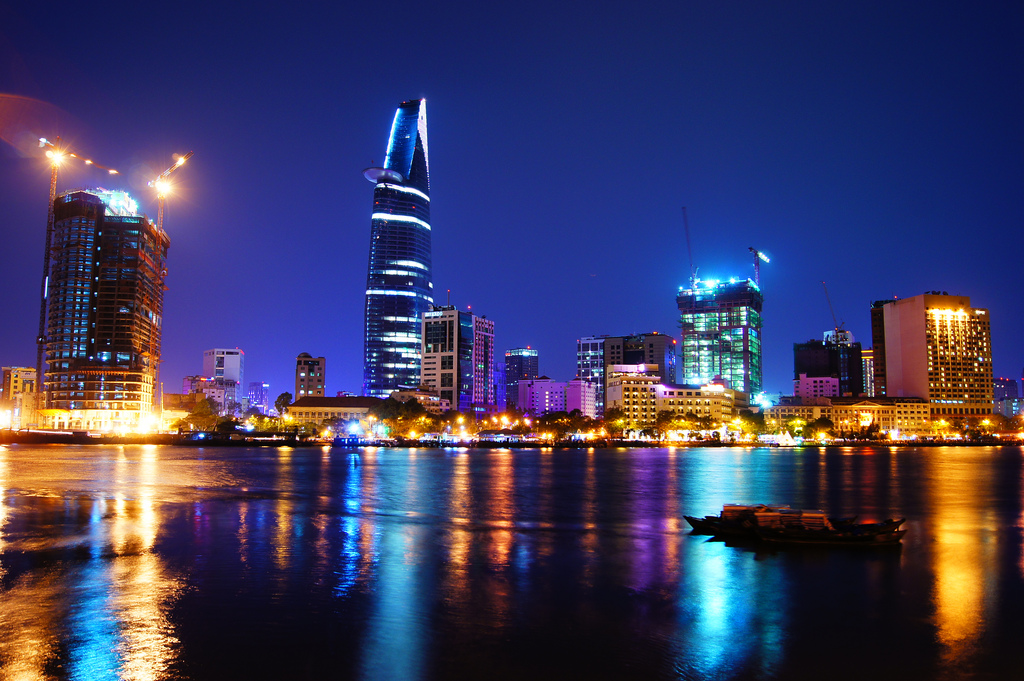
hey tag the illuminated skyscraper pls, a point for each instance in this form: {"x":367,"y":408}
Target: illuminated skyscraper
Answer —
{"x":458,"y":358}
{"x":721,"y":333}
{"x":106,"y":290}
{"x":399,"y":282}
{"x":940,"y":348}
{"x":520,"y":364}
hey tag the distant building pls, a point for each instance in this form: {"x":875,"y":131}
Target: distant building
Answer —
{"x":581,"y":395}
{"x":430,"y":400}
{"x":721,"y":333}
{"x":595,"y":354}
{"x":104,"y":312}
{"x":259,"y":396}
{"x":223,"y":392}
{"x":520,"y":364}
{"x":1003,"y":388}
{"x":317,"y":410}
{"x":640,"y":393}
{"x":815,"y":386}
{"x":837,"y":356}
{"x":458,"y":358}
{"x":1009,"y":407}
{"x":590,"y":364}
{"x":867,"y":363}
{"x":540,"y":396}
{"x":226,"y":363}
{"x":936,"y":347}
{"x":17,"y":396}
{"x":309,"y":376}
{"x":899,"y":417}
{"x":500,"y":387}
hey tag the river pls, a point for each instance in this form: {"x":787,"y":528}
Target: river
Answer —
{"x":160,"y":562}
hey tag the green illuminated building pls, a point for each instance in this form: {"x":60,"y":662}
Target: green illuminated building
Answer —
{"x":721,"y":333}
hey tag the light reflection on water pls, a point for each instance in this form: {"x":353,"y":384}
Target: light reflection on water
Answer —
{"x":161,"y":563}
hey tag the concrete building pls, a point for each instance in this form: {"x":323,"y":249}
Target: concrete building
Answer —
{"x":837,"y":356}
{"x":721,"y":333}
{"x":582,"y":395}
{"x":595,"y":354}
{"x":223,"y":392}
{"x":226,"y":363}
{"x":310,"y":375}
{"x":430,"y":400}
{"x":540,"y":396}
{"x":640,"y":393}
{"x":939,"y":348}
{"x":317,"y":410}
{"x":898,"y":417}
{"x":814,"y":386}
{"x":1001,"y":388}
{"x":520,"y":364}
{"x":17,"y":396}
{"x":104,"y":314}
{"x":458,"y":359}
{"x":259,"y":396}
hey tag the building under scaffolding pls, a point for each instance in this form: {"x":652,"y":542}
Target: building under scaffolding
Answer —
{"x":104,"y":317}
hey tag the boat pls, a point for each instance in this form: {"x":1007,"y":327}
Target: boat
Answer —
{"x":785,"y":525}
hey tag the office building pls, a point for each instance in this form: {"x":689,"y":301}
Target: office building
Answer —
{"x":520,"y":364}
{"x":108,"y":268}
{"x":837,"y":356}
{"x":309,"y":376}
{"x":259,"y":396}
{"x":458,"y":358}
{"x":581,"y":395}
{"x":590,"y":366}
{"x":867,"y":371}
{"x":399,"y":281}
{"x":721,"y":333}
{"x":17,"y":396}
{"x":540,"y":396}
{"x":939,"y":348}
{"x":1003,"y":388}
{"x":226,"y":363}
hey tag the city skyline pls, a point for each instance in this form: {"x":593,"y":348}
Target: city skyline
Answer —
{"x":862,"y":146}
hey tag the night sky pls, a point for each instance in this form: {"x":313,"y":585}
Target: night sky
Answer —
{"x":877,"y":146}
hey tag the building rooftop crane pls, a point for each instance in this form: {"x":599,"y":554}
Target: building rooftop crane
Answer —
{"x":162,"y":186}
{"x":57,"y":154}
{"x":689,"y":249}
{"x":758,"y":257}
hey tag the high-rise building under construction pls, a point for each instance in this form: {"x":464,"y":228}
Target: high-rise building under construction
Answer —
{"x":721,"y":333}
{"x":399,"y":281}
{"x":104,"y":313}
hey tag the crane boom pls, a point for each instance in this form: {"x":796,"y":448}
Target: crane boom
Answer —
{"x":161,"y":186}
{"x":837,"y":325}
{"x":689,"y":249}
{"x":758,"y":257}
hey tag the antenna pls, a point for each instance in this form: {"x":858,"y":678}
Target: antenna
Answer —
{"x":689,"y":249}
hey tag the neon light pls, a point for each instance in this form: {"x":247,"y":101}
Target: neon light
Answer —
{"x":400,"y":218}
{"x":407,"y":190}
{"x":407,"y":263}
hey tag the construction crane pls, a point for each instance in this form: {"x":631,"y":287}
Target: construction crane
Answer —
{"x":758,"y":257}
{"x":57,"y":154}
{"x":837,"y":325}
{"x":689,"y":249}
{"x":162,"y":186}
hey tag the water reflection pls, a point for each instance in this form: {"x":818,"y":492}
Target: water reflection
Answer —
{"x":157,"y":563}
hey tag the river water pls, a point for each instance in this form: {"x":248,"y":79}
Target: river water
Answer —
{"x":147,"y":562}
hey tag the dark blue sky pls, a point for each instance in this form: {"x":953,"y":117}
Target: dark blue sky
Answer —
{"x":877,"y":146}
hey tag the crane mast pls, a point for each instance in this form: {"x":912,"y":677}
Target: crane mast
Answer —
{"x":758,"y":257}
{"x":162,"y":186}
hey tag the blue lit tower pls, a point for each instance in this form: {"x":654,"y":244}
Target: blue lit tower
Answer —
{"x":399,"y":281}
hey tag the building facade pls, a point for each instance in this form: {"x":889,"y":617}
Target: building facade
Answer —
{"x":310,"y":375}
{"x":520,"y":364}
{"x":399,"y":282}
{"x":939,"y":348}
{"x":897,"y":417}
{"x":458,"y":358}
{"x":867,"y":364}
{"x":106,"y":284}
{"x":17,"y":396}
{"x":837,"y":356}
{"x":540,"y":396}
{"x":259,"y":396}
{"x":318,"y":410}
{"x":590,"y":366}
{"x":595,"y":354}
{"x":226,"y":363}
{"x":581,"y":395}
{"x":640,"y":393}
{"x":721,"y":333}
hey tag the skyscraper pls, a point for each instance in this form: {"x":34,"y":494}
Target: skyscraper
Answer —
{"x":837,"y":356}
{"x":105,"y":311}
{"x":458,"y":358}
{"x":721,"y":333}
{"x":939,"y":348}
{"x":399,"y":282}
{"x":520,"y":363}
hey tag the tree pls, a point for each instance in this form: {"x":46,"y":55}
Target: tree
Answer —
{"x":282,"y":402}
{"x":203,"y":415}
{"x":232,"y":408}
{"x":614,"y":421}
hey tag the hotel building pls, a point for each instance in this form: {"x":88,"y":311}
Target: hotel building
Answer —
{"x":939,"y":348}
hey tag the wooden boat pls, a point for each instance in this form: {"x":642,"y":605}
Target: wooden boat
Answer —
{"x":785,"y":525}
